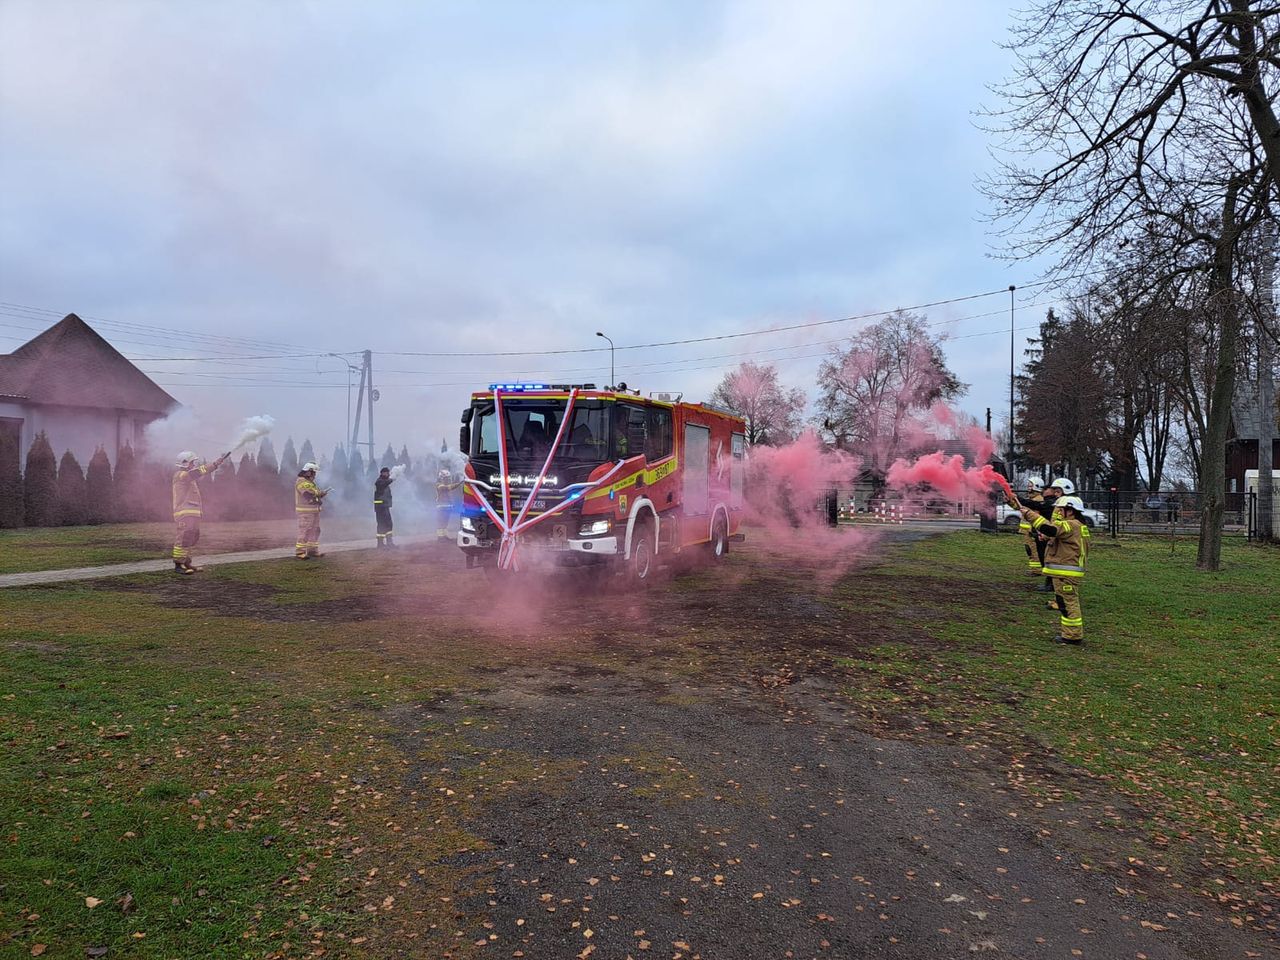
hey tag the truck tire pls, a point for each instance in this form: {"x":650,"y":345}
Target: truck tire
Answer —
{"x":719,"y":539}
{"x":642,"y":562}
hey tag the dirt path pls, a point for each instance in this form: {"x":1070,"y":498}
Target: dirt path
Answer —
{"x":69,"y":575}
{"x":684,"y":820}
{"x":674,"y":812}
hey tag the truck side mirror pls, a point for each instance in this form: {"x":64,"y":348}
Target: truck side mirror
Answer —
{"x":464,"y":432}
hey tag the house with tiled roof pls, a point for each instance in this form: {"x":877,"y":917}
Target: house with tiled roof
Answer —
{"x":83,"y":393}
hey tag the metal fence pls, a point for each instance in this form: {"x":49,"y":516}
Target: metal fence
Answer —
{"x":1172,"y":512}
{"x":1167,"y":513}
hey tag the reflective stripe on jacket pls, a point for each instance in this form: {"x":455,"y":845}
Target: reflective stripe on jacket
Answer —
{"x":306,"y":496}
{"x":1066,"y":553}
{"x":187,"y":501}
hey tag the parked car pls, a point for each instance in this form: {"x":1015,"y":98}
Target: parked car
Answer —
{"x":1009,"y":517}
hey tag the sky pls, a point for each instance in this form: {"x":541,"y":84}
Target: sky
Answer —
{"x":230,"y":191}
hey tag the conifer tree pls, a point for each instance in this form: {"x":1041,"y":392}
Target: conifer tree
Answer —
{"x":99,"y":495}
{"x":40,"y":487}
{"x":11,"y":505}
{"x":306,"y":454}
{"x":289,"y":460}
{"x":73,"y":509}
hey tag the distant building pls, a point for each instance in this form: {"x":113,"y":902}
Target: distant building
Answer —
{"x":1242,"y":442}
{"x":81,"y":391}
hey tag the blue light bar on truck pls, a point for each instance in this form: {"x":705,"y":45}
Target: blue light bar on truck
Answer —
{"x":518,"y":386}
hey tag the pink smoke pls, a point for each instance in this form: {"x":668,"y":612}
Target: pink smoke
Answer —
{"x":946,"y":474}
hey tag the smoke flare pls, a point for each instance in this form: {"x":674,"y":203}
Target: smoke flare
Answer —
{"x":253,"y":429}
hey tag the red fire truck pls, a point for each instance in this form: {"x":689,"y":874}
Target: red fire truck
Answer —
{"x":579,"y":476}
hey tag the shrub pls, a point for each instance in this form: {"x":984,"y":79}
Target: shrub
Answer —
{"x":73,"y":508}
{"x":40,"y":489}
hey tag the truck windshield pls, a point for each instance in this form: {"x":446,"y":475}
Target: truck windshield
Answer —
{"x":531,"y":429}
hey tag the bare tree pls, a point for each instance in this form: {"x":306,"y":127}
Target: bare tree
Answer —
{"x":873,"y":390}
{"x":771,"y":411}
{"x":1153,"y":114}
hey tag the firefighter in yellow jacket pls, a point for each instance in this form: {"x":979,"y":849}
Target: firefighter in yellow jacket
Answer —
{"x":1064,"y":561}
{"x":1035,"y":498}
{"x":308,"y":500}
{"x":188,"y":506}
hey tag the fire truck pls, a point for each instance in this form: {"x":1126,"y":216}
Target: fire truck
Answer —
{"x":575,"y":476}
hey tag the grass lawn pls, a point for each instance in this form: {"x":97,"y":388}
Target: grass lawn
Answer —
{"x":1175,"y":698}
{"x":220,"y":767}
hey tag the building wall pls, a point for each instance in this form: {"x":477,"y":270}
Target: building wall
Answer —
{"x":78,"y":429}
{"x":1242,"y":455}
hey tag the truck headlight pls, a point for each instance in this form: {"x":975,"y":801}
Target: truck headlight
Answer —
{"x":468,"y":525}
{"x":594,"y":529}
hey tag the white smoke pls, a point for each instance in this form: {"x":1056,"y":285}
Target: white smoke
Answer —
{"x":252,"y":429}
{"x":398,"y":470}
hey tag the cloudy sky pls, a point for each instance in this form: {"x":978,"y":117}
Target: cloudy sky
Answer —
{"x":283,"y":180}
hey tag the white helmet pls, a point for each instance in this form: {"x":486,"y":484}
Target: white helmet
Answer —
{"x":1075,"y":503}
{"x":1065,"y":485}
{"x":1035,"y":483}
{"x":187,"y":456}
{"x":309,"y":467}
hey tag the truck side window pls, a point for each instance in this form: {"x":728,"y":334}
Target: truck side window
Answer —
{"x":630,"y":433}
{"x":659,"y":425}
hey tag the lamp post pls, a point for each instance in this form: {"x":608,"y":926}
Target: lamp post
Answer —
{"x":612,"y":378}
{"x":350,"y":369}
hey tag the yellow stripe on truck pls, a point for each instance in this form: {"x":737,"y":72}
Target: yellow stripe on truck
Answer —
{"x":651,"y":475}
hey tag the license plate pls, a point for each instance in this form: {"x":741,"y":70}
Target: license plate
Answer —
{"x":537,"y":505}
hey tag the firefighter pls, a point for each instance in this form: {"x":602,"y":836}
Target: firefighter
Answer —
{"x":382,"y":507}
{"x":445,"y":486}
{"x":308,"y":500}
{"x":1049,"y":496}
{"x":188,"y":506}
{"x":1064,"y":561}
{"x":1035,"y":498}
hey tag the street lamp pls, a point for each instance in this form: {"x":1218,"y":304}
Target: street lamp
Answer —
{"x":611,"y":373}
{"x":350,"y":370}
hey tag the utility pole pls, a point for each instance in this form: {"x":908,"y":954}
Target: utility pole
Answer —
{"x":1266,"y":392}
{"x":363,"y":392}
{"x":1012,"y":288}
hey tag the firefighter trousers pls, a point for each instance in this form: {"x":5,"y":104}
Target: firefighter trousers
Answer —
{"x":308,"y":534}
{"x":1070,"y":620}
{"x":1033,"y":554}
{"x":382,"y":513}
{"x":186,"y":537}
{"x":444,"y":513}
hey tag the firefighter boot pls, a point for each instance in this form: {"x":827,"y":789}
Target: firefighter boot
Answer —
{"x":184,"y":569}
{"x":381,"y":541}
{"x":391,"y":542}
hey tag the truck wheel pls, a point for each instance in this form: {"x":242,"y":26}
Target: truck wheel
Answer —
{"x":640,"y":566}
{"x":719,"y":539}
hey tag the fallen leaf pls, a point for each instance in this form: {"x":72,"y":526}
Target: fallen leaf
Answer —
{"x":92,"y":902}
{"x":38,"y":948}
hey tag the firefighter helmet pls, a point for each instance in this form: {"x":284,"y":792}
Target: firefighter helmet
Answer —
{"x":309,"y":467}
{"x":1065,"y":485}
{"x":1035,"y":484}
{"x":1075,"y":503}
{"x":186,"y":457}
{"x":443,"y":475}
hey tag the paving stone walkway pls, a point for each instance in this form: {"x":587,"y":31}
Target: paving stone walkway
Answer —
{"x":37,"y":577}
